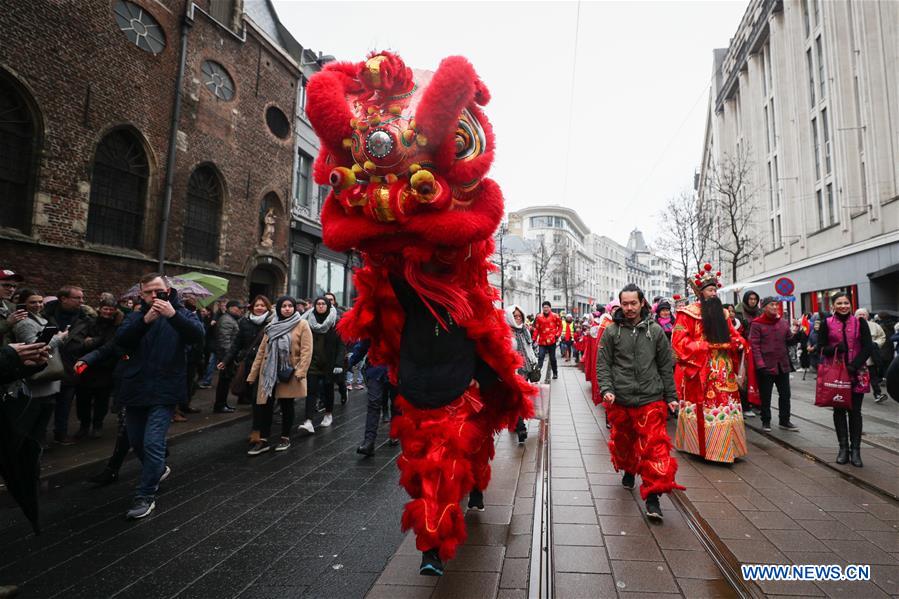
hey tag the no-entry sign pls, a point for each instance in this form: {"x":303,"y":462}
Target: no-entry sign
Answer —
{"x":784,"y":286}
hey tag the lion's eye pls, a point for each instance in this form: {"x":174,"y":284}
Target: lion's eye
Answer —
{"x":470,"y":139}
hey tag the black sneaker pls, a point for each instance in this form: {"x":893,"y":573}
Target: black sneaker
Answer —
{"x":258,"y":447}
{"x":653,"y":510}
{"x":476,"y":500}
{"x":165,"y":473}
{"x":880,"y":397}
{"x":629,"y":481}
{"x":789,"y":426}
{"x":393,"y":442}
{"x":141,"y":508}
{"x":283,"y":444}
{"x":430,"y":563}
{"x":766,"y":426}
{"x":225,"y":409}
{"x":107,"y":477}
{"x":555,"y":376}
{"x":522,"y":437}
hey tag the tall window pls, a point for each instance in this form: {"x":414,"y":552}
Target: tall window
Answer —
{"x":301,"y":96}
{"x":822,"y":81}
{"x":301,"y":180}
{"x":826,"y":129}
{"x":17,"y":156}
{"x":203,"y":215}
{"x":118,"y":190}
{"x":815,"y":148}
{"x":805,"y":23}
{"x":831,"y":205}
{"x":811,"y":76}
{"x":819,"y":196}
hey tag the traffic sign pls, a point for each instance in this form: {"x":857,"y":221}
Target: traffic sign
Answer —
{"x":784,"y":286}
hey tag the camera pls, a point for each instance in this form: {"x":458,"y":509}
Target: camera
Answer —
{"x":162,"y":295}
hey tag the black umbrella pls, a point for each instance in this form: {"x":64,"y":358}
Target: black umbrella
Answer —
{"x":20,"y":454}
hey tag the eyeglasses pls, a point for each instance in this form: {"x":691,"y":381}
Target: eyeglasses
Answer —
{"x":8,"y":285}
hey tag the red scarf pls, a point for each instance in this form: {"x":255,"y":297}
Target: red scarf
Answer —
{"x":766,"y":318}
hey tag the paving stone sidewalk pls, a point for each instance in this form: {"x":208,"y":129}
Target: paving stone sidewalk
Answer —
{"x":603,"y":545}
{"x":772,"y":507}
{"x":494,"y":561}
{"x":880,"y":438}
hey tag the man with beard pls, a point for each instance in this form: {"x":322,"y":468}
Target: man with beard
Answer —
{"x":708,"y":349}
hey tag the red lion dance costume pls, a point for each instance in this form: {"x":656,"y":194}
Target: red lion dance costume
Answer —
{"x":406,"y":153}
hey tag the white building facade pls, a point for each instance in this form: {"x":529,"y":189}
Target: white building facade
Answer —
{"x":808,"y":92}
{"x":577,"y":265}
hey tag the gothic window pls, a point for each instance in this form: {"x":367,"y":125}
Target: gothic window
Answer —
{"x":217,"y":80}
{"x":17,"y":156}
{"x":118,"y":189}
{"x":203,"y":215}
{"x":139,"y":26}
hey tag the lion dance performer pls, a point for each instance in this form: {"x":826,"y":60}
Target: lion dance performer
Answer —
{"x":709,"y":351}
{"x":406,"y":153}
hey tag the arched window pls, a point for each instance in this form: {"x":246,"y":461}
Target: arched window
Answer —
{"x":203,"y":215}
{"x":118,"y":190}
{"x":18,"y":145}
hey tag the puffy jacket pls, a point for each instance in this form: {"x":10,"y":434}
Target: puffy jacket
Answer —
{"x":636,"y":363}
{"x":547,"y":329}
{"x":156,"y":371}
{"x":226,"y":330}
{"x":769,"y":343}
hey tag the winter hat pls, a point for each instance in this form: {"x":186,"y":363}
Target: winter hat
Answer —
{"x":768,"y":300}
{"x":232,"y":304}
{"x":663,"y":305}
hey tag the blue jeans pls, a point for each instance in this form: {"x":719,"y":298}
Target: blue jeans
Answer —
{"x":147,"y":428}
{"x":354,"y":375}
{"x":210,"y":370}
{"x":380,"y":401}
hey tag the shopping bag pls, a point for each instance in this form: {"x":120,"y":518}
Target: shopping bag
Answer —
{"x":541,"y":401}
{"x":834,"y":387}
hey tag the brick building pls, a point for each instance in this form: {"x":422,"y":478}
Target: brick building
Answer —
{"x":87,"y":96}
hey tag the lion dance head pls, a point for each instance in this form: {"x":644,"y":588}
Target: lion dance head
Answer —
{"x":406,"y":153}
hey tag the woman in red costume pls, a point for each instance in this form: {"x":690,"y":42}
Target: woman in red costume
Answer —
{"x":406,"y":152}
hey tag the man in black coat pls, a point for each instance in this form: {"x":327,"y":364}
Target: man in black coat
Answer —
{"x":154,"y":378}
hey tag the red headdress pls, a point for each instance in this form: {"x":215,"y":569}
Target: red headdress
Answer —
{"x":705,"y":278}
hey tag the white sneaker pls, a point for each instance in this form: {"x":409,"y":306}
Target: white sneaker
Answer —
{"x":326,"y":421}
{"x":307,"y":426}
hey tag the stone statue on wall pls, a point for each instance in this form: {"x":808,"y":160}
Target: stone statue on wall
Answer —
{"x":268,"y":233}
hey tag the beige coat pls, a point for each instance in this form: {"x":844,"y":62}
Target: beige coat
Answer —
{"x":300,"y":356}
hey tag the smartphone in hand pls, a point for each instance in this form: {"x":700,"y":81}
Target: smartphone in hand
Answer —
{"x":47,"y":334}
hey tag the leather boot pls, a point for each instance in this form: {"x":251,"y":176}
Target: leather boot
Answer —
{"x":855,"y":438}
{"x":842,"y":428}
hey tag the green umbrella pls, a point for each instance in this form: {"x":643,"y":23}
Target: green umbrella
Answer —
{"x":218,"y":286}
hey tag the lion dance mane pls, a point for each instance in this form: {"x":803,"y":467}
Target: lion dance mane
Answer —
{"x":406,"y":153}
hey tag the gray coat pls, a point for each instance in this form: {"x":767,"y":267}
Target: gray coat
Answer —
{"x":225,"y":334}
{"x":27,"y":331}
{"x":636,"y":363}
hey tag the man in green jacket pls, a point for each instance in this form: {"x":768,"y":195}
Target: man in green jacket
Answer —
{"x":635,"y":372}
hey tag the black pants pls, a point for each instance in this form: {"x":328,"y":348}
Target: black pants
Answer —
{"x":767,"y":382}
{"x":551,"y":350}
{"x":262,"y":416}
{"x":92,"y":406}
{"x":380,"y":395}
{"x":48,"y":405}
{"x":223,"y":389}
{"x":319,"y":385}
{"x":853,"y":428}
